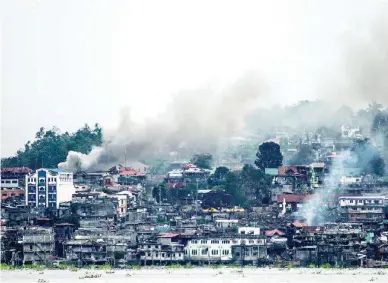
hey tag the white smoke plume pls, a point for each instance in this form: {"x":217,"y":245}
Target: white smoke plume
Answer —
{"x":199,"y":119}
{"x":314,"y":210}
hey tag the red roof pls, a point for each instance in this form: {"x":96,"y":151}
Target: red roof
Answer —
{"x":131,"y":173}
{"x":24,"y":170}
{"x":168,"y":235}
{"x":298,"y":224}
{"x":188,"y":166}
{"x":271,"y":233}
{"x":293,"y":198}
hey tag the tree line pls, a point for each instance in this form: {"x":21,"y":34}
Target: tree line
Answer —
{"x":50,"y":147}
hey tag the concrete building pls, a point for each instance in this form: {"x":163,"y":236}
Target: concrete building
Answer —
{"x":219,"y":249}
{"x":361,"y":208}
{"x":49,"y":187}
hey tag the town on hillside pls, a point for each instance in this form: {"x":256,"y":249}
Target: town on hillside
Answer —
{"x":306,"y":200}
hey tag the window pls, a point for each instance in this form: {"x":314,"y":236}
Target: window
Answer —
{"x":204,"y":252}
{"x":30,"y":247}
{"x":14,"y":181}
{"x":194,"y":252}
{"x":215,"y":242}
{"x":149,"y":254}
{"x":203,"y":241}
{"x":251,"y":241}
{"x":226,"y":242}
{"x":156,"y":255}
{"x":8,"y":182}
{"x":149,"y":247}
{"x":162,"y":254}
{"x":225,"y":252}
{"x":214,"y":252}
{"x":194,"y":241}
{"x":235,"y":241}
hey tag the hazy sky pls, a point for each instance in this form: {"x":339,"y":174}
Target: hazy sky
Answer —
{"x":66,"y":63}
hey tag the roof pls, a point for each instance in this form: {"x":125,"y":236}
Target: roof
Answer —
{"x":131,"y":173}
{"x":318,"y":164}
{"x":168,"y":235}
{"x":24,"y":170}
{"x":270,"y":233}
{"x":298,"y":224}
{"x":292,"y":198}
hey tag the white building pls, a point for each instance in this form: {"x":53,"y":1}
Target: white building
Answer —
{"x":226,"y":223}
{"x":49,"y":187}
{"x":218,"y":249}
{"x":9,"y":183}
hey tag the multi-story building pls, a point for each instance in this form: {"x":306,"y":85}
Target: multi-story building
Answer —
{"x":361,"y":208}
{"x":49,"y":187}
{"x":14,"y":177}
{"x":222,"y":249}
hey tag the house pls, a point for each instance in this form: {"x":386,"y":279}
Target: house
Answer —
{"x":14,"y":176}
{"x":167,"y":249}
{"x":292,"y":201}
{"x":131,"y":177}
{"x":38,"y":245}
{"x":11,"y":193}
{"x":362,"y":208}
{"x":248,"y":230}
{"x":47,"y":188}
{"x":218,"y":249}
{"x":226,"y":223}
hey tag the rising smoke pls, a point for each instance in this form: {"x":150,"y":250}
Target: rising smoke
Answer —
{"x":198,"y":119}
{"x":364,"y":80}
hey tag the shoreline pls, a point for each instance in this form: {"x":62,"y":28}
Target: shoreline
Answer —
{"x":197,"y":274}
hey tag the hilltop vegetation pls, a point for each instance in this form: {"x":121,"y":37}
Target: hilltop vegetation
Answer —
{"x":51,"y":147}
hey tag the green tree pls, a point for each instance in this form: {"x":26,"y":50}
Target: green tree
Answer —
{"x":219,"y":176}
{"x":51,"y":147}
{"x":203,"y":160}
{"x":269,"y":156}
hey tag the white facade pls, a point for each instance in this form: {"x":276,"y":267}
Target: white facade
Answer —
{"x":49,"y":187}
{"x":350,"y":180}
{"x":361,"y":200}
{"x":9,"y":183}
{"x":226,"y":223}
{"x":217,"y":249}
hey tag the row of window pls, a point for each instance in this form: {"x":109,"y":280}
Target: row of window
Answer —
{"x":224,"y":241}
{"x":42,"y":180}
{"x":361,"y":201}
{"x":164,"y":255}
{"x":205,"y":252}
{"x":9,"y":181}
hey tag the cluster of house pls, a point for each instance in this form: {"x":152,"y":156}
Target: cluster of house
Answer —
{"x":111,"y":217}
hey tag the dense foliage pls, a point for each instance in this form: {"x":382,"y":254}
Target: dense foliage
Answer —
{"x":203,"y":160}
{"x":51,"y":147}
{"x":269,"y":156}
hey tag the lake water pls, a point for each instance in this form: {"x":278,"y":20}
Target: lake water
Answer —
{"x":201,"y":275}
